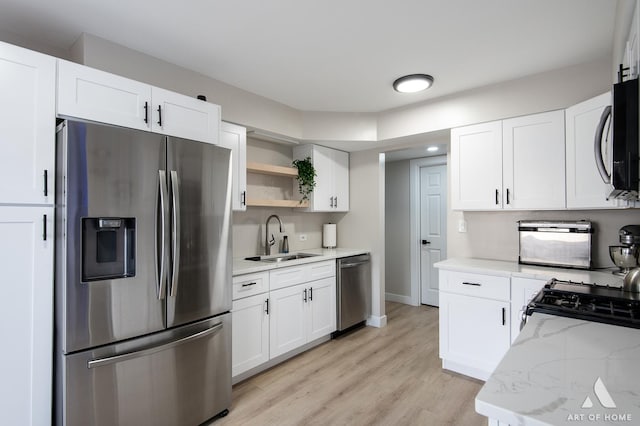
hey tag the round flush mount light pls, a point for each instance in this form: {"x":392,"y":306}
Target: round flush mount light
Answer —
{"x":413,"y":83}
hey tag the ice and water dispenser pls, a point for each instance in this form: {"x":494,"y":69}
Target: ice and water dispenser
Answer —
{"x":108,"y":248}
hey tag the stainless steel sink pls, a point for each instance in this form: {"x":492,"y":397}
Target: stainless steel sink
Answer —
{"x":281,"y":258}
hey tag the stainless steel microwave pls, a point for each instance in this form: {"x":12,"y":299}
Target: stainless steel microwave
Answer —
{"x":621,"y":172}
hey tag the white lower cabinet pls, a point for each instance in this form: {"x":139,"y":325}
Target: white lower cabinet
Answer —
{"x":250,"y":336}
{"x":301,"y":314}
{"x":26,"y":312}
{"x":522,"y":291}
{"x":281,"y":310}
{"x":474,"y":322}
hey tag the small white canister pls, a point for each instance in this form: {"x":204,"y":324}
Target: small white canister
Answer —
{"x":329,"y":235}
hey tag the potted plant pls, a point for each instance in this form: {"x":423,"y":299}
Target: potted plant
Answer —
{"x":306,"y":177}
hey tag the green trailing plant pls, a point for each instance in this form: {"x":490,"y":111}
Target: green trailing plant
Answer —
{"x":306,"y":177}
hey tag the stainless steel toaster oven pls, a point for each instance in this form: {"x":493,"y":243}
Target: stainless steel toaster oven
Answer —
{"x":563,"y":244}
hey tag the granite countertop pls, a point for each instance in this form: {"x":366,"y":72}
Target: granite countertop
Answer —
{"x":514,"y":269}
{"x":555,"y":364}
{"x":242,"y":266}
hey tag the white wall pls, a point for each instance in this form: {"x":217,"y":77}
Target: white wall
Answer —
{"x":397,"y":235}
{"x":363,"y":226}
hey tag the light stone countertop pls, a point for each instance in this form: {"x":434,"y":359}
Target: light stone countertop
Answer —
{"x":514,"y":269}
{"x":242,"y":266}
{"x":555,"y":364}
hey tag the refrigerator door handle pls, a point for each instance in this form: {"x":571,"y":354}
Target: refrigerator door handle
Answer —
{"x":150,"y":351}
{"x":161,"y":277}
{"x":175,"y":232}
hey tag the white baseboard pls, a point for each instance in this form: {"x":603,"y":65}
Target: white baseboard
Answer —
{"x":376,"y":321}
{"x":398,"y":298}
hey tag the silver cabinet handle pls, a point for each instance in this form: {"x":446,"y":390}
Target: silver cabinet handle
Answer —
{"x":175,"y":234}
{"x":161,"y":277}
{"x":331,"y":202}
{"x":146,"y":352}
{"x":305,"y":295}
{"x":249,"y":284}
{"x":504,"y":316}
{"x":335,"y":204}
{"x":597,"y":145}
{"x":474,"y":284}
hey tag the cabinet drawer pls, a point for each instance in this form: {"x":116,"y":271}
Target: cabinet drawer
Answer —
{"x":320,"y":270}
{"x":487,"y":286}
{"x":286,"y":277}
{"x":250,"y":284}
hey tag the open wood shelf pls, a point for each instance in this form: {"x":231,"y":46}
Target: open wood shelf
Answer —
{"x":268,"y":169}
{"x":278,"y":203}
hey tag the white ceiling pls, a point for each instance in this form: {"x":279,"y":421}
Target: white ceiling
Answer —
{"x":334,"y":55}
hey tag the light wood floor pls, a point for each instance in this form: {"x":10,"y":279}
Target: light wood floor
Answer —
{"x":374,"y":376}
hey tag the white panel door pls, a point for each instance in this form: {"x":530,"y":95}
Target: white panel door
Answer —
{"x":433,"y":229}
{"x":26,"y":314}
{"x":178,"y":115}
{"x":234,"y":137}
{"x":474,"y":331}
{"x":27,"y":127}
{"x":287,"y":325}
{"x":341,"y":180}
{"x":323,"y":192}
{"x":533,"y":161}
{"x":476,"y":167}
{"x":96,"y":95}
{"x":585,"y":188}
{"x":250,"y":333}
{"x":321,"y":308}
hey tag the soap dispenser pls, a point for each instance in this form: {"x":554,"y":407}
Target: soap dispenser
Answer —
{"x":285,"y":244}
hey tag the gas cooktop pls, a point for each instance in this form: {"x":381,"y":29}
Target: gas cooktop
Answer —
{"x":591,"y":302}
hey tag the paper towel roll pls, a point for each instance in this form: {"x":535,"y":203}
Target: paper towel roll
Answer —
{"x":329,"y":235}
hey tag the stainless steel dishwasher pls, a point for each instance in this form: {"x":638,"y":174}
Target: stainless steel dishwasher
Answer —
{"x":353,"y":291}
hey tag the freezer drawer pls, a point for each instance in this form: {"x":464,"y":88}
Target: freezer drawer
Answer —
{"x":177,"y":377}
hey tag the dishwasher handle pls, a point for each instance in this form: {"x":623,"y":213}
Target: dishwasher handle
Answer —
{"x":353,"y":264}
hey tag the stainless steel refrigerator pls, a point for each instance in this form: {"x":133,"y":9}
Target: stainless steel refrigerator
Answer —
{"x":143,"y":278}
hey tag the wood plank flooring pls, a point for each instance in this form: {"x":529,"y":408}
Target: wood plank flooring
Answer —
{"x":374,"y":376}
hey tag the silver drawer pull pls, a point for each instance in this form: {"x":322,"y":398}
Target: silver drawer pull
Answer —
{"x":474,"y":284}
{"x":150,"y":351}
{"x":248,"y":284}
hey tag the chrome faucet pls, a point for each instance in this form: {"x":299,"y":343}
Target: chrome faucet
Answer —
{"x":268,"y":243}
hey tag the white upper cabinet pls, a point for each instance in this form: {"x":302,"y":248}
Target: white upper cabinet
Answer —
{"x":27,"y":133}
{"x":632,"y":50}
{"x":95,"y":95}
{"x":510,"y":164}
{"x":476,"y":167}
{"x":585,"y":188}
{"x":533,"y":161}
{"x":332,"y":181}
{"x":234,"y":138}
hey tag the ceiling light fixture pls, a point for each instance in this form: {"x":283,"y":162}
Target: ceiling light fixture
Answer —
{"x":413,"y":83}
{"x":432,"y":149}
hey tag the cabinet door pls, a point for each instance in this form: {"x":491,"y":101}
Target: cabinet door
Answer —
{"x":522,"y":291}
{"x":341,"y":180}
{"x":476,"y":167}
{"x":585,"y":188}
{"x":321,"y":308}
{"x":533,"y":161}
{"x":235,"y":138}
{"x":250,"y":333}
{"x":178,"y":115}
{"x":323,"y":193}
{"x":26,"y":312}
{"x":84,"y":92}
{"x":27,"y":133}
{"x":473,"y":331}
{"x":287,"y":326}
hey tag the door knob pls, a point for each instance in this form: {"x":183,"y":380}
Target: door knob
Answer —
{"x":425,"y":242}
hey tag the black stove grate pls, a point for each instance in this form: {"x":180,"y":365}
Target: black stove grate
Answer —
{"x":590,"y":302}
